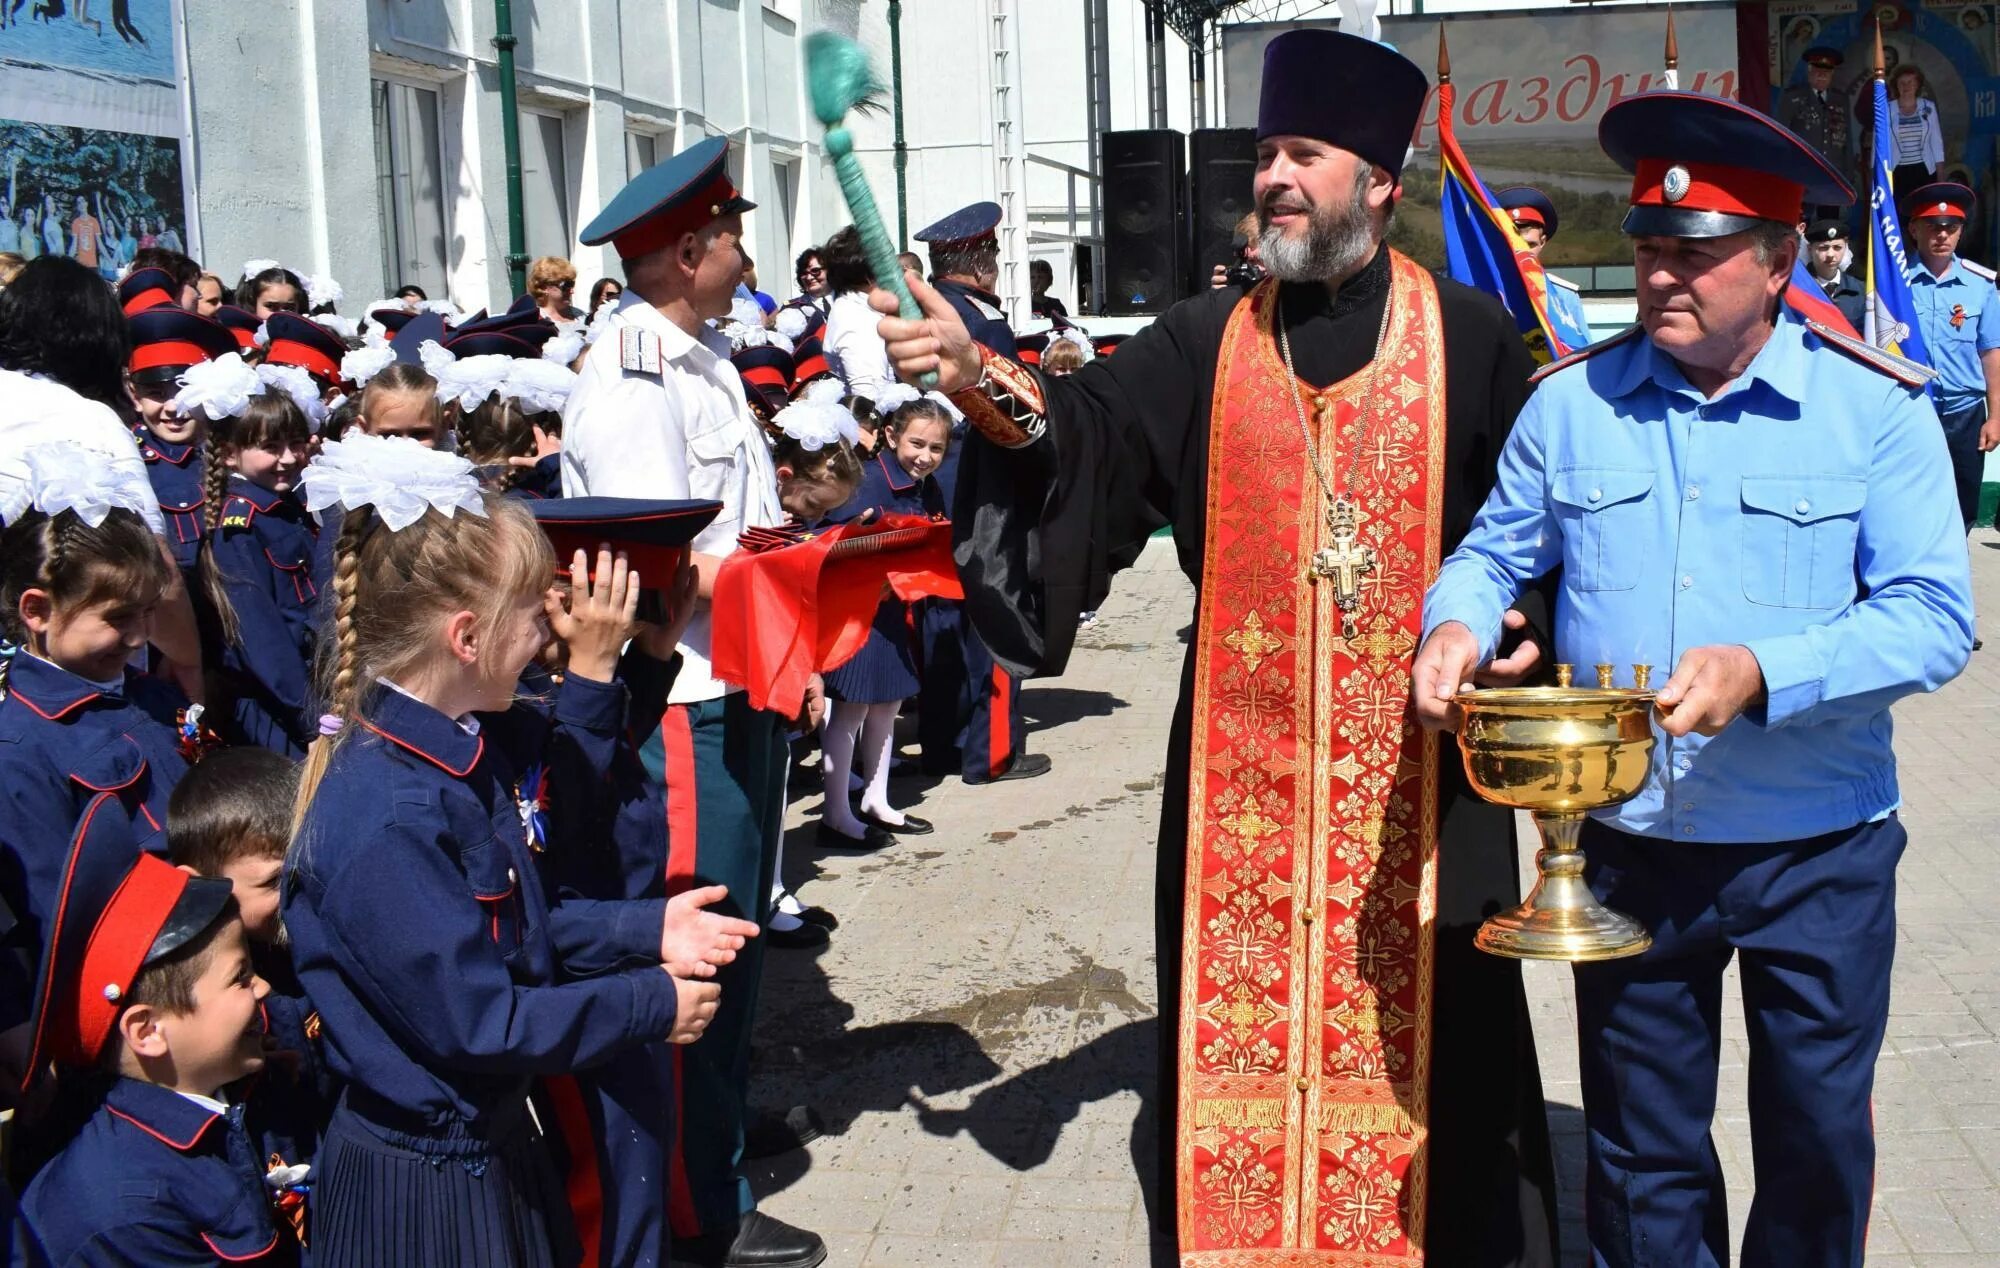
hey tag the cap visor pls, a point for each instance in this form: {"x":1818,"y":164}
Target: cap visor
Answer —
{"x":736,"y":204}
{"x":1674,"y":222}
{"x":198,"y":907}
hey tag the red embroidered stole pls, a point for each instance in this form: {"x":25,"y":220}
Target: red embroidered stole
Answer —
{"x":1312,"y":824}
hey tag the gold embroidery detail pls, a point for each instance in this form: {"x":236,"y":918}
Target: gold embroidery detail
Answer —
{"x":1252,"y":642}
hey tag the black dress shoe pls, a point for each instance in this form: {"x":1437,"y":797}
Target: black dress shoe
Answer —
{"x":818,"y":916}
{"x":770,"y":1133}
{"x":807,"y":936}
{"x":1026,"y":766}
{"x":832,"y":838}
{"x":757,"y":1241}
{"x":911,"y":826}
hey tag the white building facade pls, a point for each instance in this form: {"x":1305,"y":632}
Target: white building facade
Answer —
{"x":364,"y":138}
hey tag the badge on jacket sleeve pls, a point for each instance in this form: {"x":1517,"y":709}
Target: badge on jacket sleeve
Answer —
{"x":639,"y":350}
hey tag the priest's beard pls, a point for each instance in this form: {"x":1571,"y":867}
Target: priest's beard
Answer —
{"x":1338,"y":240}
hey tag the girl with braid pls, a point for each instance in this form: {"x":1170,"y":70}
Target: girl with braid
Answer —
{"x":80,"y":578}
{"x":256,"y":564}
{"x":446,"y":977}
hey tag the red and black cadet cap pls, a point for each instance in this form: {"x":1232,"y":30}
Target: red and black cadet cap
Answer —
{"x":300,"y":341}
{"x":422,"y":328}
{"x":166,"y":341}
{"x":1105,"y":345}
{"x":1939,"y":200}
{"x":239,"y":322}
{"x":767,"y":373}
{"x":667,"y":200}
{"x":967,"y":227}
{"x":808,"y":363}
{"x":1705,"y":167}
{"x":518,"y":332}
{"x":653,"y":534}
{"x":1526,"y":205}
{"x":391,"y":318}
{"x":148,"y":288}
{"x":119,"y":910}
{"x":1029,"y":348}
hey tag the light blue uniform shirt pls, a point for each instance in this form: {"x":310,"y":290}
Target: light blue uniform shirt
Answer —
{"x":1806,"y":512}
{"x":1565,"y":300}
{"x":1955,"y":349}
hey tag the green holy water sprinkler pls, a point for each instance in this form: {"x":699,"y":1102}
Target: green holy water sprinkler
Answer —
{"x":839,"y":79}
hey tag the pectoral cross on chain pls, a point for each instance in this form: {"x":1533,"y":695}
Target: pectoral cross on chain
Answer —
{"x":1345,"y":562}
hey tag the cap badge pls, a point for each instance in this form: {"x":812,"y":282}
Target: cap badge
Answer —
{"x":112,"y":993}
{"x":1676,"y":184}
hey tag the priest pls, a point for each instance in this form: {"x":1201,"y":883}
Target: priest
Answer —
{"x":1345,"y":1078}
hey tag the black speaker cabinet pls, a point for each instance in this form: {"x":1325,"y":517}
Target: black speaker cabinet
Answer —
{"x":1145,"y":224}
{"x":1222,"y":164}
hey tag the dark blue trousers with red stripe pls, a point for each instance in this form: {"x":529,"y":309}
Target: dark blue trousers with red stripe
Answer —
{"x":615,"y":1124}
{"x":1813,"y":926}
{"x":969,"y":710}
{"x":722,"y":767}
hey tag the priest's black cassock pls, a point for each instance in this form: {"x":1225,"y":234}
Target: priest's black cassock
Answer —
{"x":1041,"y":529}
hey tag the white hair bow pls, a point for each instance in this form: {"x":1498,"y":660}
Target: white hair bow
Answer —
{"x":540,"y":386}
{"x":466,"y":380}
{"x":221,"y":388}
{"x":791,"y":322}
{"x":296,"y":382}
{"x":894,"y":397}
{"x":815,"y":424}
{"x":397,"y":476}
{"x":363,"y":364}
{"x":252,"y":268}
{"x":66,"y":476}
{"x":564,"y":348}
{"x":322,"y":289}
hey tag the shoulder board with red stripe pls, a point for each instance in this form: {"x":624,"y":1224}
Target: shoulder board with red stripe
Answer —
{"x":1585,"y":353}
{"x":1906,"y":372}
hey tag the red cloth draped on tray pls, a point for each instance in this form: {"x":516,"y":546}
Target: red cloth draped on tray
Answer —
{"x":791,"y":604}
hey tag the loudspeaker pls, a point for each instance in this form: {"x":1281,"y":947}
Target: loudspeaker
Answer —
{"x":1145,"y":235}
{"x":1222,"y":166}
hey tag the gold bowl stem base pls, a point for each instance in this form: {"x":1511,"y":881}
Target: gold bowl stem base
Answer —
{"x":1562,"y":919}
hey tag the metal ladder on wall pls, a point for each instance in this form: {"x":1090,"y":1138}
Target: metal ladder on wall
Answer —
{"x":1010,"y":158}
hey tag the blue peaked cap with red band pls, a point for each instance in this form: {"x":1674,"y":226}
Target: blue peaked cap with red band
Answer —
{"x":1520,"y":199}
{"x":966,"y":225}
{"x":668,"y":199}
{"x":1706,"y":167}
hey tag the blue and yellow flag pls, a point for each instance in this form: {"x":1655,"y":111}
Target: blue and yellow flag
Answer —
{"x":1892,"y":313}
{"x":1481,"y":250}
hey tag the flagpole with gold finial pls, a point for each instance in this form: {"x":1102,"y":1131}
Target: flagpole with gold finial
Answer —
{"x":1444,"y":91}
{"x":1673,"y":75}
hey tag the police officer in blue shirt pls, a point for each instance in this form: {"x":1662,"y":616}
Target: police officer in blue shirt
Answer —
{"x":1960,"y":318}
{"x":1535,"y":219}
{"x":1761,"y":504}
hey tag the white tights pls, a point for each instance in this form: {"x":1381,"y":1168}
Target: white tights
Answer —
{"x":858,"y":736}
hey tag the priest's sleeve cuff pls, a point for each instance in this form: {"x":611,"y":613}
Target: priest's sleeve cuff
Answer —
{"x":1794,"y":678}
{"x":1006,"y":404}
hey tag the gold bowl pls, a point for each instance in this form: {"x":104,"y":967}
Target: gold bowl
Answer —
{"x":1559,"y":752}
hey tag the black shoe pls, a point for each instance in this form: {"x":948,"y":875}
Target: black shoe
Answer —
{"x":1026,"y":766}
{"x":911,"y":826}
{"x":832,"y":838}
{"x":807,"y":936}
{"x":771,"y":1133}
{"x":1978,"y":643}
{"x":811,"y":915}
{"x":757,"y":1241}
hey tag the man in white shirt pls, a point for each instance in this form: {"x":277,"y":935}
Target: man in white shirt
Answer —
{"x":659,"y":412}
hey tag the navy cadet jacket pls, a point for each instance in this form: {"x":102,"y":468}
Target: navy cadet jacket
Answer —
{"x":885,"y":486}
{"x":175,"y":471}
{"x":443,"y":976}
{"x":63,"y":740}
{"x":984,"y":319}
{"x":264,"y":549}
{"x":156,"y":1179}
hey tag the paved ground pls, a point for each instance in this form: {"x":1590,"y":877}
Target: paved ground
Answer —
{"x":979,"y":1031}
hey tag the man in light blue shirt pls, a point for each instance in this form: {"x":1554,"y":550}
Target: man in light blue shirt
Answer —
{"x":1763,"y":506}
{"x":1959,"y":313}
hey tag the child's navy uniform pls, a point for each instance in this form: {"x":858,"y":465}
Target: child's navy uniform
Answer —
{"x":442,"y":977}
{"x":64,"y":740}
{"x":265,"y":550}
{"x":885,"y":669}
{"x":157,"y":1179}
{"x":175,"y":472}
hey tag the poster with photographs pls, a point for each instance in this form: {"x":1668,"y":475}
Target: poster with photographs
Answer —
{"x":93,"y":145}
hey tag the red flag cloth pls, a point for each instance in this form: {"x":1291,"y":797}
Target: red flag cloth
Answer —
{"x":783,"y":612}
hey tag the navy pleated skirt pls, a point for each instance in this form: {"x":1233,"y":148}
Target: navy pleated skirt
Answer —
{"x":384,"y":1196}
{"x":884,"y":670}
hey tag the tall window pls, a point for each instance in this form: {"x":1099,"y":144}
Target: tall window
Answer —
{"x":409,"y":188}
{"x":545,"y":184}
{"x":644,"y":149}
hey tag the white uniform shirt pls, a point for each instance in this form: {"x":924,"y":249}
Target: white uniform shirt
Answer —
{"x":684,"y":431}
{"x":854,"y":348}
{"x":36,"y":411}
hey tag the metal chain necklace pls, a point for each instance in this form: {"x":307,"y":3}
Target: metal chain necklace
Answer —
{"x":1347,"y":560}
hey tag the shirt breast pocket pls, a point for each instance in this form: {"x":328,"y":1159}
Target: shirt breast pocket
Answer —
{"x":1798,"y":539}
{"x":490,"y":873}
{"x":711,"y":457}
{"x":1602,"y":510}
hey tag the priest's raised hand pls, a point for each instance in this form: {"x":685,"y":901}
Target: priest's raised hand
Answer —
{"x":937,"y":341}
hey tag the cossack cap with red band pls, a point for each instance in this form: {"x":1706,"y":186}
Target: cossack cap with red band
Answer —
{"x":516,"y":333}
{"x":119,"y":910}
{"x":1028,"y":349}
{"x":147,"y":288}
{"x":300,"y":341}
{"x":1704,"y":167}
{"x":767,"y":375}
{"x":667,"y":200}
{"x":166,"y":341}
{"x":240,"y":322}
{"x":808,"y":363}
{"x":653,"y":534}
{"x":1529,"y":206}
{"x":1939,"y":200}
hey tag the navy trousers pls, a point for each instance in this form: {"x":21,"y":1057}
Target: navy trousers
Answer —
{"x":722,"y":765}
{"x":1968,"y":465}
{"x":1814,"y":925}
{"x":969,"y":710}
